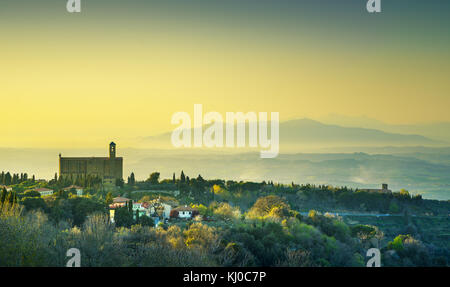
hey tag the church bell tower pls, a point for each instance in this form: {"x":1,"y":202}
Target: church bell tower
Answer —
{"x":112,"y":150}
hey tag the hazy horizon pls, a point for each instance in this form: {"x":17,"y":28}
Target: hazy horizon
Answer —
{"x":417,"y":169}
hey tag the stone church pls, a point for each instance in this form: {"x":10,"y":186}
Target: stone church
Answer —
{"x":107,"y":168}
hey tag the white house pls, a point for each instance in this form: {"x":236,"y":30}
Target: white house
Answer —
{"x":78,"y":189}
{"x":184,"y":212}
{"x":137,"y":206}
{"x":141,"y":208}
{"x":44,"y":191}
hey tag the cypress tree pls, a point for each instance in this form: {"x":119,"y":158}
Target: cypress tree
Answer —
{"x":3,"y":196}
{"x":130,"y":206}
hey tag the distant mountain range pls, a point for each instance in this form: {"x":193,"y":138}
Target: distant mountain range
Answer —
{"x":438,"y":131}
{"x":306,"y":132}
{"x":310,"y":131}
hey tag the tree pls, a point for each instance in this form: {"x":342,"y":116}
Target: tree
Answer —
{"x":83,"y":206}
{"x":296,"y":258}
{"x":119,"y":182}
{"x":123,"y":217}
{"x":201,"y":237}
{"x":182,"y":177}
{"x":62,"y":194}
{"x":3,"y":196}
{"x":137,"y":215}
{"x":397,"y":243}
{"x":144,"y":220}
{"x":109,"y":198}
{"x":393,"y":207}
{"x":154,"y":178}
{"x":367,"y":234}
{"x":131,"y":179}
{"x":8,"y":179}
{"x":225,"y":212}
{"x":404,"y":194}
{"x":264,"y":205}
{"x":363,"y":232}
{"x":130,"y":206}
{"x":34,"y":203}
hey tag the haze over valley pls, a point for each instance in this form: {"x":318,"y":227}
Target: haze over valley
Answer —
{"x":311,"y":152}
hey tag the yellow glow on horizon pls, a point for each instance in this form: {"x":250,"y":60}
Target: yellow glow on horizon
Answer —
{"x":86,"y":91}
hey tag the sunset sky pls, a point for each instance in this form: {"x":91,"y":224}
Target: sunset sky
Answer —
{"x":120,"y":69}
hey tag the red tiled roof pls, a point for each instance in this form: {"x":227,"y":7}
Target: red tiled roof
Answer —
{"x":120,"y":199}
{"x":42,"y":189}
{"x":145,"y":205}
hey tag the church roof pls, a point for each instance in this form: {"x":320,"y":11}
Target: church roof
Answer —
{"x":92,"y":157}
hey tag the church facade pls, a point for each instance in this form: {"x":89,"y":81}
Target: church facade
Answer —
{"x":107,"y":168}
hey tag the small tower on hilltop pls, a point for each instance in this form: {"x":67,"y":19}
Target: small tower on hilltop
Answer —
{"x":112,"y":150}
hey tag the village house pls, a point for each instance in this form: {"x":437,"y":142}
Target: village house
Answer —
{"x":155,"y":209}
{"x":119,"y":202}
{"x":185,"y":212}
{"x":44,"y":191}
{"x":137,"y":206}
{"x":141,"y":208}
{"x":162,"y":209}
{"x":78,"y":189}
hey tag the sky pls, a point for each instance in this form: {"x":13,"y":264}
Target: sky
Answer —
{"x":119,"y":70}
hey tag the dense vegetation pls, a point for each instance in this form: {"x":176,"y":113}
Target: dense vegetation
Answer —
{"x":239,"y":224}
